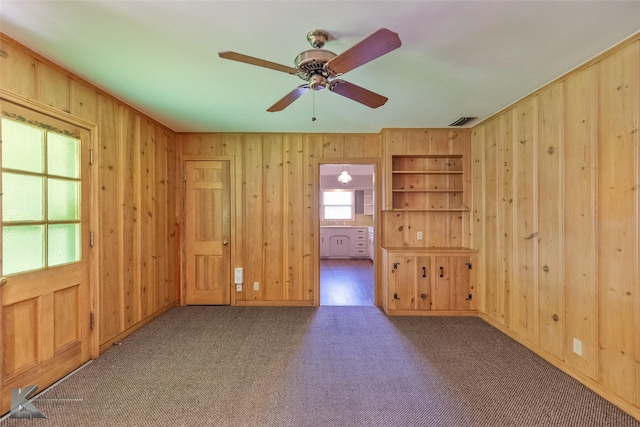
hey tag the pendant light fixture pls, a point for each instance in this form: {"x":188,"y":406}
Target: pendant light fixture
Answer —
{"x":344,"y":177}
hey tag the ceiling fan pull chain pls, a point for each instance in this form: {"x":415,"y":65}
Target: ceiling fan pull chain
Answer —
{"x":313,"y":103}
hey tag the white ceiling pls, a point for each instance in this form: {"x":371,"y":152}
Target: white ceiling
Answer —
{"x":458,"y":58}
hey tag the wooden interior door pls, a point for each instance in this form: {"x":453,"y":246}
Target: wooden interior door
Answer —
{"x":45,"y":301}
{"x":207,"y":233}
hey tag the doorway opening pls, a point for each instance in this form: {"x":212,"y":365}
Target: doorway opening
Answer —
{"x":347,"y":230}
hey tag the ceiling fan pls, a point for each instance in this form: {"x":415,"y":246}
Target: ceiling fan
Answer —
{"x":320,"y":67}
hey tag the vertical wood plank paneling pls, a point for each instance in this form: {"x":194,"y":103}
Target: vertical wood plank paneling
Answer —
{"x":273,"y":217}
{"x":161,"y":252}
{"x":354,"y":145}
{"x":505,"y":292}
{"x":312,"y":146}
{"x":333,"y":145}
{"x":254,"y":218}
{"x":585,"y":173}
{"x":18,"y":70}
{"x":526,"y":235}
{"x":130,"y":232}
{"x":636,"y":190}
{"x":617,"y":118}
{"x":110,"y":288}
{"x":294,"y":201}
{"x":550,"y":256}
{"x":52,"y":87}
{"x":477,"y":226}
{"x":579,"y":221}
{"x":147,"y":225}
{"x":491,"y":209}
{"x":84,"y":102}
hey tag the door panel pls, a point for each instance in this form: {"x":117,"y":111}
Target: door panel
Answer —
{"x":45,"y":303}
{"x":207,"y":233}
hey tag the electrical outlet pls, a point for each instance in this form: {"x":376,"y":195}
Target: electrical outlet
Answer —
{"x":256,"y":286}
{"x":577,"y":346}
{"x":419,"y":235}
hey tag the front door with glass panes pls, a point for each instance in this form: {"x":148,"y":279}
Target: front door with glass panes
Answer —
{"x":45,"y":304}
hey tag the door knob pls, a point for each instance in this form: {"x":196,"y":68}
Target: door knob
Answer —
{"x":3,"y":281}
{"x":225,"y":242}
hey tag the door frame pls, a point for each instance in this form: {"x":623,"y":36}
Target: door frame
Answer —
{"x":377,"y":197}
{"x":93,"y":215}
{"x":233,"y":241}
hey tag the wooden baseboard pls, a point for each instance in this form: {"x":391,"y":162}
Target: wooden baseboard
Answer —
{"x":109,"y":343}
{"x":433,"y":313}
{"x":593,"y":385}
{"x":275,"y":303}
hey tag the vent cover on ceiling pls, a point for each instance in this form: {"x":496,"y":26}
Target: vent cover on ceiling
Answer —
{"x":462,"y":121}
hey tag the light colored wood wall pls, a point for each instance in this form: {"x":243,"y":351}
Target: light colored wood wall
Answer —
{"x":133,"y":198}
{"x":276,"y":210}
{"x":556,"y":219}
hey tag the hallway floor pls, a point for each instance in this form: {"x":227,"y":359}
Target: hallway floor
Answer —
{"x":346,"y":282}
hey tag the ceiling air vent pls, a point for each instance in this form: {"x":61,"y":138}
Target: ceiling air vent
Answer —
{"x":462,"y":121}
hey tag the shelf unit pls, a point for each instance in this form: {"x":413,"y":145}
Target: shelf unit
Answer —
{"x":427,"y":183}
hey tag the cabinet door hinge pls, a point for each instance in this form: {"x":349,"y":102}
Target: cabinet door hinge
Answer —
{"x":469,"y":265}
{"x":92,"y":320}
{"x":395,"y":296}
{"x":470,"y":297}
{"x":91,"y":241}
{"x":395,"y":265}
{"x":91,"y":157}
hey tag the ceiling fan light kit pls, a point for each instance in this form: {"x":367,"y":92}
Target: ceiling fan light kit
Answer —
{"x":319,"y":68}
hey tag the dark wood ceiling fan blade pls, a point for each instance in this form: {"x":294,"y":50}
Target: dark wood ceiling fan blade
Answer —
{"x":377,"y":44}
{"x":257,"y":61}
{"x":357,"y":93}
{"x":289,"y":98}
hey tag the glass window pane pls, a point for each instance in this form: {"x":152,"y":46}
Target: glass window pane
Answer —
{"x":22,"y":146}
{"x":63,"y":155}
{"x":23,"y":197}
{"x":63,"y":202}
{"x":22,"y":248}
{"x":63,"y":243}
{"x":337,"y":212}
{"x":337,"y":197}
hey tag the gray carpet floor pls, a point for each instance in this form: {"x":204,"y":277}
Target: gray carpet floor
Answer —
{"x":326,"y":366}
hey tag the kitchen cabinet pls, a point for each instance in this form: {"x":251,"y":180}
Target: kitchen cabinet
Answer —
{"x":343,"y":242}
{"x":370,"y":243}
{"x":339,"y":245}
{"x":438,"y":281}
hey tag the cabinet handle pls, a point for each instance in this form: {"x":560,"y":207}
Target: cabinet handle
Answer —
{"x":424,"y":271}
{"x":441,"y":271}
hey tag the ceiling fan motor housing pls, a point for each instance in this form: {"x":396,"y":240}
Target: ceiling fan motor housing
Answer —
{"x":311,"y":66}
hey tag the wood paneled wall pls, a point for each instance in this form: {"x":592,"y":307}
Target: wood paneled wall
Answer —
{"x":276,"y":211}
{"x":133,"y":196}
{"x":556,"y":219}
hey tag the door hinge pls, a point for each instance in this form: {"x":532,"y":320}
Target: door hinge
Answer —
{"x":395,"y":265}
{"x":395,"y":296}
{"x":470,"y":297}
{"x":469,"y":265}
{"x":91,"y":157}
{"x":92,"y":320}
{"x":91,"y":241}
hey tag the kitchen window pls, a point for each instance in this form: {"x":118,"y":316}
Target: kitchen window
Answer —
{"x":338,"y":205}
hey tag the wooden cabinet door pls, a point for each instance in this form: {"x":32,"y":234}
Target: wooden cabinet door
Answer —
{"x":207,"y":233}
{"x":409,"y":282}
{"x":452,"y":283}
